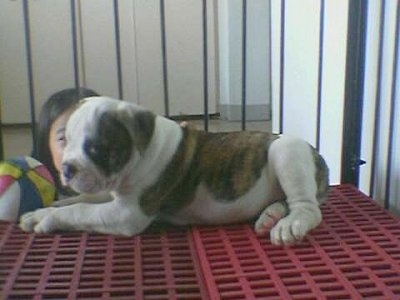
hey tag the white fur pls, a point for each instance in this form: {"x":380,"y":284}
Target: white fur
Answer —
{"x":205,"y":209}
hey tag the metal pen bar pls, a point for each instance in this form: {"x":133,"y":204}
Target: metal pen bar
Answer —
{"x":164,"y":57}
{"x":244,"y":56}
{"x":392,"y":109}
{"x":270,"y":59}
{"x":30,"y":71}
{"x":377,"y":102}
{"x":75,"y":44}
{"x":118,"y":50}
{"x":205,"y":66}
{"x":353,"y":97}
{"x":320,"y":69}
{"x":282,"y":67}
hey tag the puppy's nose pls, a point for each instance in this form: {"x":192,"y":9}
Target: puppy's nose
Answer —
{"x":69,"y":170}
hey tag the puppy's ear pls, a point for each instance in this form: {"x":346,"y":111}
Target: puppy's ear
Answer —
{"x":110,"y":148}
{"x":143,"y":124}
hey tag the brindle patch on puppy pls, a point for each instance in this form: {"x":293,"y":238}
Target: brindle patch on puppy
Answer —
{"x":229,"y":164}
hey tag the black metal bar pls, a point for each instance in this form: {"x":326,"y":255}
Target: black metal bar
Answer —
{"x":164,"y":57}
{"x":244,"y":57}
{"x":205,"y":65}
{"x":392,"y":109}
{"x":1,"y":135}
{"x":75,"y":44}
{"x":354,"y":86}
{"x":320,"y":69}
{"x":118,"y":50}
{"x":282,"y":67}
{"x":30,"y":71}
{"x":377,"y":102}
{"x":270,"y":59}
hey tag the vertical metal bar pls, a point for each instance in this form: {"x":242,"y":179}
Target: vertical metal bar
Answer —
{"x":354,"y":85}
{"x":392,"y":109}
{"x":118,"y":49}
{"x":270,"y":60}
{"x":282,"y":67}
{"x":1,"y":134}
{"x":164,"y":57}
{"x":205,"y":65}
{"x":75,"y":44}
{"x":320,"y":69}
{"x":377,"y":102}
{"x":244,"y":56}
{"x":30,"y":71}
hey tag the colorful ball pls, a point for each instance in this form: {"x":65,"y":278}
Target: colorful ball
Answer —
{"x":25,"y":185}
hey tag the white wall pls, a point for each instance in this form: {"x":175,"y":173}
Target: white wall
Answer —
{"x":258,"y":58}
{"x":140,"y":35}
{"x":378,"y":100}
{"x":13,"y":68}
{"x":300,"y":89}
{"x":52,"y":60}
{"x":333,"y":85}
{"x":394,"y":193}
{"x":301,"y":61}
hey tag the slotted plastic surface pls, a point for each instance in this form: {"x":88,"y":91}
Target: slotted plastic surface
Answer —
{"x":354,"y":254}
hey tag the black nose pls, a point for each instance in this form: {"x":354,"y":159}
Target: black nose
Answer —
{"x":69,"y":170}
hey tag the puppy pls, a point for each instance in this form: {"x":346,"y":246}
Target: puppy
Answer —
{"x":155,"y":168}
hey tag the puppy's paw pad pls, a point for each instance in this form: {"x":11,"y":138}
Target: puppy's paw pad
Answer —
{"x":289,"y":231}
{"x":294,"y":227}
{"x":37,"y":221}
{"x":270,"y":216}
{"x":27,"y":222}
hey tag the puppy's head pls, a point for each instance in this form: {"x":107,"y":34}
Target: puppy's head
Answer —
{"x":103,"y":136}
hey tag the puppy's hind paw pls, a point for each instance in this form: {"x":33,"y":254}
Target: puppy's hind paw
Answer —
{"x":293,"y":228}
{"x":270,"y":216}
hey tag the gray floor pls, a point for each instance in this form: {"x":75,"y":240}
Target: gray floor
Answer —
{"x":18,"y":140}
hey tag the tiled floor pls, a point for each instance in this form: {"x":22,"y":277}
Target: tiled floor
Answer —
{"x":18,"y":140}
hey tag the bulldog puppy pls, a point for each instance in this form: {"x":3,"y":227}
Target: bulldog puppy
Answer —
{"x":155,"y":168}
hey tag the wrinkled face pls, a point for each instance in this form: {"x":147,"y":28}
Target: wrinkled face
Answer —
{"x":100,"y":142}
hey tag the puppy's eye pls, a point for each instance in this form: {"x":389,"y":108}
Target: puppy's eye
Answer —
{"x":92,"y":150}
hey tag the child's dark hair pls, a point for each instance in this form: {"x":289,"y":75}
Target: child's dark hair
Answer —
{"x":56,"y":105}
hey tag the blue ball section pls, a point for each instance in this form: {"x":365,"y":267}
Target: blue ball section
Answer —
{"x":31,"y":196}
{"x":20,"y":162}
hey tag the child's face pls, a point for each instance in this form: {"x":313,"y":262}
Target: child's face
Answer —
{"x":57,"y":138}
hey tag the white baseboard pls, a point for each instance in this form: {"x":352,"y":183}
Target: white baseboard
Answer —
{"x":254,"y":112}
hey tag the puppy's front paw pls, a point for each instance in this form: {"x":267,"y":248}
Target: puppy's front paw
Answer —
{"x":39,"y":221}
{"x":294,"y":227}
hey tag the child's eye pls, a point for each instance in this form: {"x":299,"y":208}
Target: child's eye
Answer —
{"x":61,"y":140}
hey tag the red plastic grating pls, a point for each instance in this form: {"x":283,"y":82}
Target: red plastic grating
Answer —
{"x":353,"y":254}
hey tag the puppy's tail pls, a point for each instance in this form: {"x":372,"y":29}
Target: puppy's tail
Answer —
{"x":321,"y":177}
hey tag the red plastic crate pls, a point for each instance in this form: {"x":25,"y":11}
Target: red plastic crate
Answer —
{"x":353,"y":254}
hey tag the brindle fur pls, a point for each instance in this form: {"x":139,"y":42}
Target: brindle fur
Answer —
{"x":229,"y":164}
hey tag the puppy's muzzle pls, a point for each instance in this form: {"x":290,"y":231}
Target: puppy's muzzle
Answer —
{"x":69,"y":171}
